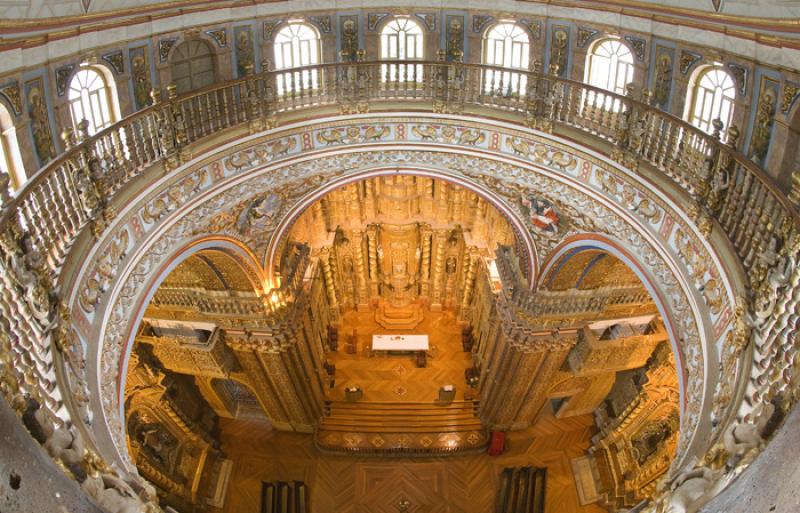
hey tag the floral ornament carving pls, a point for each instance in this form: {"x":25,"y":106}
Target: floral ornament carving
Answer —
{"x":40,"y":122}
{"x":62,"y":76}
{"x":585,"y":35}
{"x":687,"y":60}
{"x":739,"y":76}
{"x":116,"y":61}
{"x":220,"y":36}
{"x":428,"y":19}
{"x":164,"y":47}
{"x":559,"y":44}
{"x":245,"y":59}
{"x":479,"y":22}
{"x":535,"y":27}
{"x":322,"y":22}
{"x":455,"y":37}
{"x":374,"y":18}
{"x":639,"y":46}
{"x":349,"y":31}
{"x":104,"y":272}
{"x":12,"y":94}
{"x":759,"y":143}
{"x":141,"y":76}
{"x":789,"y":94}
{"x":663,"y":76}
{"x":269,"y":27}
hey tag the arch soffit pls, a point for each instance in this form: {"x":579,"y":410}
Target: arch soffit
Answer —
{"x":283,"y":140}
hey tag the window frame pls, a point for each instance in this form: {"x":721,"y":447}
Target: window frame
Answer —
{"x":695,"y":114}
{"x":518,"y":52}
{"x":173,"y":63}
{"x":393,"y":30}
{"x":611,"y":79}
{"x":286,"y":82}
{"x":102,"y":99}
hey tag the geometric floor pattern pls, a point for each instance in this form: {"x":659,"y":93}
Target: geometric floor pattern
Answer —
{"x":353,"y":484}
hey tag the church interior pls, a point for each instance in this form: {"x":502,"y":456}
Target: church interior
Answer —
{"x":309,"y":257}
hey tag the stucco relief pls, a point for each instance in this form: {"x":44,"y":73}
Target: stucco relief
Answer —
{"x":510,"y":181}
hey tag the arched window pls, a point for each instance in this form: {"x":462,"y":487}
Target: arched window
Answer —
{"x":92,"y":98}
{"x":297,"y":44}
{"x":506,"y":45}
{"x":401,"y":39}
{"x":192,"y":65}
{"x":10,"y":158}
{"x":609,"y":66}
{"x":712,"y":98}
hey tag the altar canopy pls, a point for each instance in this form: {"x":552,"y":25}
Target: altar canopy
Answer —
{"x":400,"y":342}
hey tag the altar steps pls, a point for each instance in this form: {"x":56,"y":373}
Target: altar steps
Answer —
{"x":401,"y":427}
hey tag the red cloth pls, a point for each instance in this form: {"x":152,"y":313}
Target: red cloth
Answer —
{"x":498,"y":443}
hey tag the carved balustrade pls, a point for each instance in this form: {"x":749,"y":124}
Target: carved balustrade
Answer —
{"x":40,"y":223}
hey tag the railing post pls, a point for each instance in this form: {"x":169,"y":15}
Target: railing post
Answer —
{"x":252,"y":101}
{"x":629,"y":132}
{"x":171,"y":136}
{"x":269,"y":100}
{"x":448,"y":83}
{"x":550,"y":100}
{"x":534,"y":97}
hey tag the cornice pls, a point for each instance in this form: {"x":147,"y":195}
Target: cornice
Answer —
{"x":29,"y":33}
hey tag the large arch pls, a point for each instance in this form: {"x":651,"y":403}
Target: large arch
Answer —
{"x":501,"y":169}
{"x":583,"y":242}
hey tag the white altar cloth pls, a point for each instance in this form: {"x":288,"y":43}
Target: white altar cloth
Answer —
{"x":400,"y":342}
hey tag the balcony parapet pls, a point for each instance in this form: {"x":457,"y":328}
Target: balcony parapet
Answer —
{"x":727,"y":192}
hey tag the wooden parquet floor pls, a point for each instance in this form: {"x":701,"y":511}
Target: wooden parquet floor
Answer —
{"x":349,"y":484}
{"x":396,"y":377}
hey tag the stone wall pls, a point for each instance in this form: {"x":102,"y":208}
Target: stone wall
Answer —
{"x":29,"y":480}
{"x":772,"y":482}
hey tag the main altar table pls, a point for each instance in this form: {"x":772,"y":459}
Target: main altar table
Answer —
{"x":400,"y":343}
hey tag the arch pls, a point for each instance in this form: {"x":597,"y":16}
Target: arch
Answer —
{"x":321,"y":165}
{"x":92,"y":96}
{"x":609,"y":65}
{"x":583,"y":242}
{"x":231,"y":246}
{"x":272,"y":254}
{"x":711,"y":95}
{"x":10,"y":157}
{"x":402,"y":39}
{"x":507,"y":45}
{"x":192,"y":65}
{"x":297,"y":44}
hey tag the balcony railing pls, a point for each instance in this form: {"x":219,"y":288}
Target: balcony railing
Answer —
{"x":40,"y":223}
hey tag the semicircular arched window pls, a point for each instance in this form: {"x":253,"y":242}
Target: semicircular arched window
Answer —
{"x":401,"y":40}
{"x":712,"y":98}
{"x":506,"y":45}
{"x":609,"y":66}
{"x":192,"y":65}
{"x":89,"y":96}
{"x":296,"y":45}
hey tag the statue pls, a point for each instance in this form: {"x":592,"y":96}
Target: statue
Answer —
{"x":741,"y":438}
{"x":40,"y":125}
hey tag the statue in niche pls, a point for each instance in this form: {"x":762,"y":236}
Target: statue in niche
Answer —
{"x":450,"y":266}
{"x":152,"y":439}
{"x":41,"y":126}
{"x":399,"y":287}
